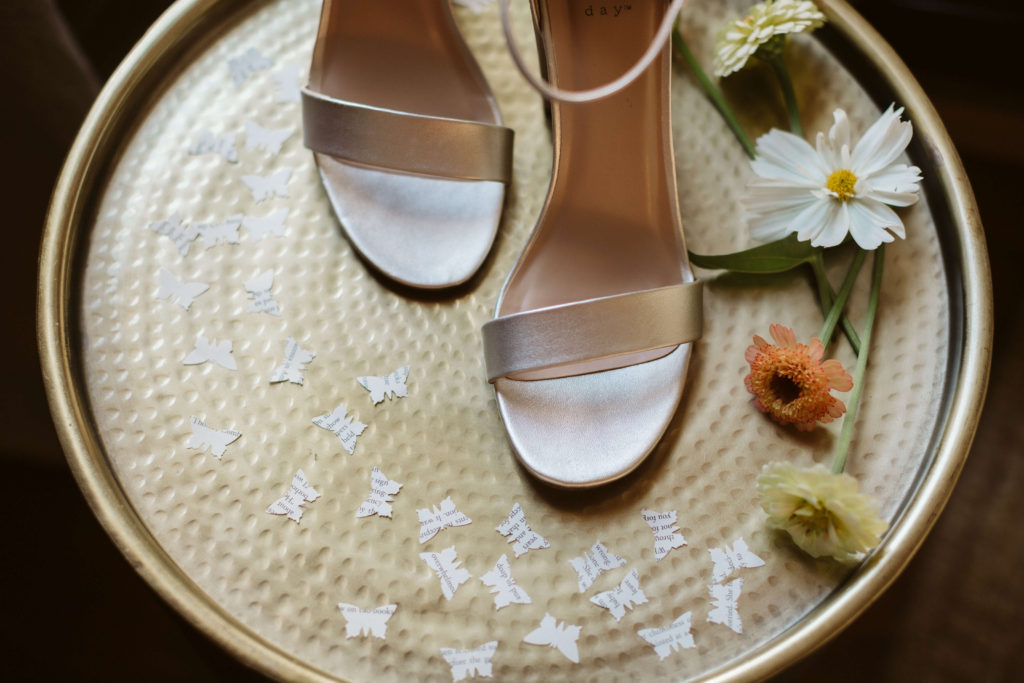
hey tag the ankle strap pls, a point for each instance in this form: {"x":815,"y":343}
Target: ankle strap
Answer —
{"x":553,"y":93}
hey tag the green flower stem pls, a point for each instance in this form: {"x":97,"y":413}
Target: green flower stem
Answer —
{"x":827,"y":296}
{"x":713,"y":93}
{"x":846,"y":434}
{"x":829,"y":327}
{"x":782,"y":74}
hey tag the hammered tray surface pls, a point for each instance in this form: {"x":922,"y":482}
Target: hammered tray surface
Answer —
{"x":283,"y":579}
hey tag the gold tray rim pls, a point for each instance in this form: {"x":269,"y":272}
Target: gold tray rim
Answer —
{"x":135,"y":81}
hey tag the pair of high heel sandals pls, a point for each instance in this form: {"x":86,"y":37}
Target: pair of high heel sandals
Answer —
{"x":592,"y":333}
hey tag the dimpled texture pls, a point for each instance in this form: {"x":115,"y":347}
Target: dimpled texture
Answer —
{"x":283,"y":580}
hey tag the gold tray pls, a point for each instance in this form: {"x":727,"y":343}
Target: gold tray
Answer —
{"x":266,"y":588}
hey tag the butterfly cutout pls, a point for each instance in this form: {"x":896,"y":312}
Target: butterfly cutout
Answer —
{"x":268,"y":140}
{"x":379,"y":501}
{"x":559,"y":636}
{"x":345,"y":427}
{"x":266,"y":226}
{"x":247,"y":64}
{"x":627,"y":595}
{"x":260,"y":298}
{"x":265,"y":187}
{"x":671,"y":638}
{"x":727,"y":560}
{"x":433,"y":521}
{"x":366,"y":622}
{"x":386,"y":387}
{"x":204,"y":436}
{"x":208,"y":143}
{"x":295,"y":360}
{"x":503,"y":586}
{"x":294,"y":501}
{"x":174,"y":289}
{"x":446,"y":565}
{"x":218,"y":352}
{"x":287,"y":82}
{"x":663,"y":526}
{"x":470,"y":662}
{"x":588,"y":567}
{"x":724,"y":607}
{"x":516,"y":528}
{"x":226,"y":232}
{"x":172,"y":229}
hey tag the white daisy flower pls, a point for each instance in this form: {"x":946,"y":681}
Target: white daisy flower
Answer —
{"x":826,"y":193}
{"x":744,"y":37}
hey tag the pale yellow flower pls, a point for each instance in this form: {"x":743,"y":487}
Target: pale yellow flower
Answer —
{"x":823,"y":512}
{"x":766,"y":21}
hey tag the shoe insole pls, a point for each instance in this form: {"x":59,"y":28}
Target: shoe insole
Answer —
{"x":610,"y":224}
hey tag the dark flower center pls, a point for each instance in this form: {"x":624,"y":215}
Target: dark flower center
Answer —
{"x":784,"y":388}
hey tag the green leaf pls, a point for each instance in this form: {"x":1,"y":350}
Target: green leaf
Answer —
{"x":774,"y":257}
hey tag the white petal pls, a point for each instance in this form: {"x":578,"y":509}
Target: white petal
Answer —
{"x":892,"y":198}
{"x":883,"y":142}
{"x":782,"y":155}
{"x":896,"y":178}
{"x":825,"y":151}
{"x":870,"y":220}
{"x":814,"y":219}
{"x":777,"y":224}
{"x":835,"y":227}
{"x":839,"y":134}
{"x":762,"y":199}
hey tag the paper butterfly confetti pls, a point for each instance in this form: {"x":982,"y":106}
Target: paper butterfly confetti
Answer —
{"x":470,"y":662}
{"x":476,"y":6}
{"x":727,"y":560}
{"x":247,"y":64}
{"x":446,"y":565}
{"x":559,"y":636}
{"x":520,"y":533}
{"x":386,"y":387}
{"x":208,"y":143}
{"x":216,"y":439}
{"x":345,"y":427}
{"x":260,"y":298}
{"x":213,"y":234}
{"x":503,"y":586}
{"x":671,"y":638}
{"x":287,"y":82}
{"x":370,"y":622}
{"x":299,"y":493}
{"x":589,"y":567}
{"x":295,"y":360}
{"x":379,"y":501}
{"x":178,"y":234}
{"x":263,"y":139}
{"x":724,"y":608}
{"x":626,"y":595}
{"x":665,"y":529}
{"x":218,"y":352}
{"x":432,"y":522}
{"x":266,"y":226}
{"x":265,"y":187}
{"x":174,"y":289}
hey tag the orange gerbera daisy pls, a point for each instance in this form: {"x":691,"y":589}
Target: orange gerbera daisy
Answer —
{"x":791,"y":383}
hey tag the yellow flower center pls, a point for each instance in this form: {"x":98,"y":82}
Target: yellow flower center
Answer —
{"x":842,"y":183}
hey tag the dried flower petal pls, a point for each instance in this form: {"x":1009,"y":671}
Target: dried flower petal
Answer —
{"x":791,"y":383}
{"x":823,"y":512}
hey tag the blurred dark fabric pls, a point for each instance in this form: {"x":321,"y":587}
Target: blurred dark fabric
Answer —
{"x":75,"y":609}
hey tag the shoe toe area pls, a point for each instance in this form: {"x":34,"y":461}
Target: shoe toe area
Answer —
{"x":591,"y":429}
{"x":421,"y":231}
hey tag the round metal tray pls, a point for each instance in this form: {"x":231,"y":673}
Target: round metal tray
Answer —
{"x":266,"y":588}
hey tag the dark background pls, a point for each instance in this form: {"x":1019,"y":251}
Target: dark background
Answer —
{"x":73,"y":609}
